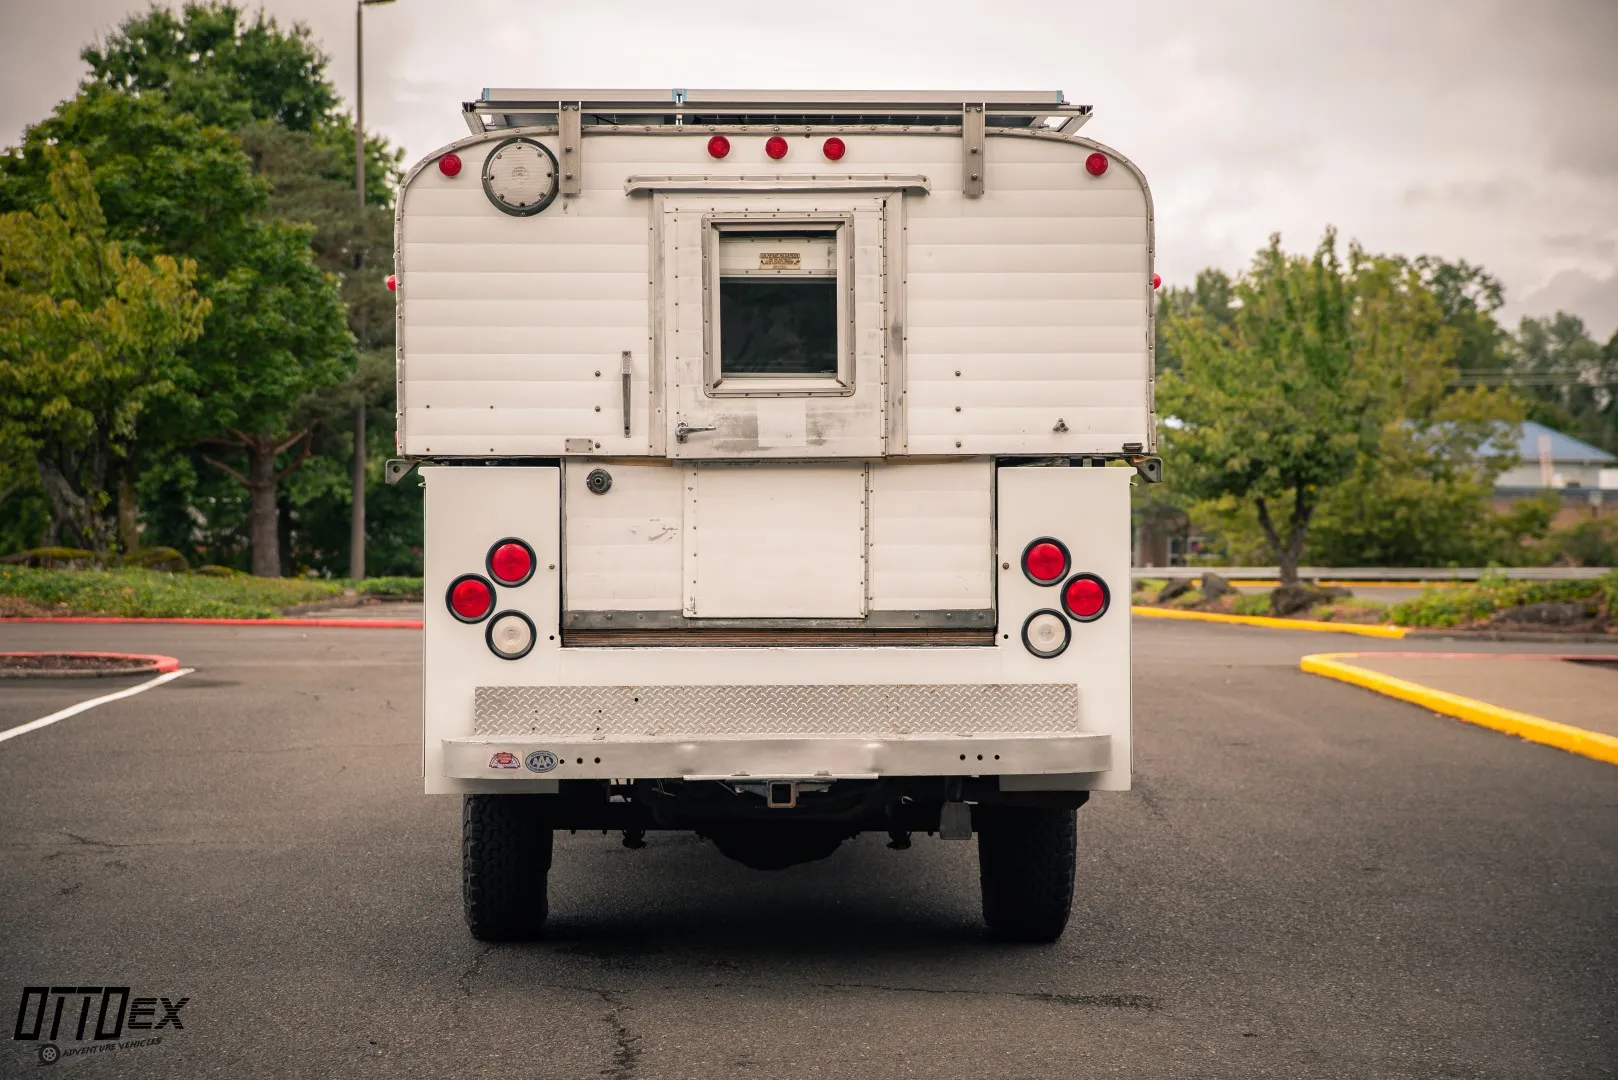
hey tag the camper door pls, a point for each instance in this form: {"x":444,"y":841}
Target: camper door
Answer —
{"x":774,"y":317}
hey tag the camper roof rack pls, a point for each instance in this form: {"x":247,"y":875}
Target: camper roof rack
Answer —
{"x":503,"y":108}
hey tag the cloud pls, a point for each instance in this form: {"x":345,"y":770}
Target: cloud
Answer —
{"x":1594,"y":299}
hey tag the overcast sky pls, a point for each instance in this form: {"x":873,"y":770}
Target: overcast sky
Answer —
{"x":1483,"y":130}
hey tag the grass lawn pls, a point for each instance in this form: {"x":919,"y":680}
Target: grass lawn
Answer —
{"x":155,"y":594}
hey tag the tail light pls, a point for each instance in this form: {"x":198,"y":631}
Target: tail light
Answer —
{"x":718,"y":146}
{"x":835,"y":148}
{"x":1045,"y":633}
{"x":776,"y":147}
{"x":510,"y":561}
{"x":1096,"y":164}
{"x":450,"y":164}
{"x":470,"y":598}
{"x":1045,"y":561}
{"x":510,"y":635}
{"x":1085,"y":597}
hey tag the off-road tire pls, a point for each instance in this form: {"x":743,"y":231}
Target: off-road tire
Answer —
{"x":505,"y":858}
{"x":1026,"y":859}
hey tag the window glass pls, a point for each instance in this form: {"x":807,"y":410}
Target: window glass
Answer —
{"x":778,"y":304}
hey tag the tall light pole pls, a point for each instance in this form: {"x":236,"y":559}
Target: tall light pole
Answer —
{"x":356,"y":534}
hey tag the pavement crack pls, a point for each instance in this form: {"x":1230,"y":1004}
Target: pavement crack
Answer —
{"x":464,"y":982}
{"x":1093,"y":1001}
{"x":626,"y":1048}
{"x":76,"y":838}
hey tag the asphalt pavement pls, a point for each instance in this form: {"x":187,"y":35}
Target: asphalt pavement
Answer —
{"x":1308,"y":880}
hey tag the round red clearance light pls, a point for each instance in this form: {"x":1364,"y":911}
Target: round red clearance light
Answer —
{"x":718,"y":146}
{"x":1086,"y":597}
{"x":511,"y":561}
{"x":776,"y":147}
{"x":393,"y":282}
{"x":1045,"y":561}
{"x":1045,"y":633}
{"x":1157,"y":281}
{"x":470,"y":598}
{"x":835,"y":148}
{"x":1096,"y":164}
{"x":450,"y":164}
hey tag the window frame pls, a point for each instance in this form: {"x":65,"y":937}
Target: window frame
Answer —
{"x":716,"y":383}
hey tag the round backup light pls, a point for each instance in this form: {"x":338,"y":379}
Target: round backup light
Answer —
{"x":450,"y":164}
{"x":776,"y":147}
{"x":835,"y":148}
{"x":1045,"y":561}
{"x":470,"y":598}
{"x":510,"y":635}
{"x":718,"y":146}
{"x":520,"y":176}
{"x":1096,"y":164}
{"x":1045,"y":633}
{"x":1085,"y":597}
{"x":393,"y":282}
{"x":511,"y":561}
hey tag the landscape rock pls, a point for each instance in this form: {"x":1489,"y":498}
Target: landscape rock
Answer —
{"x":1289,"y":600}
{"x":1548,"y":613}
{"x":1176,"y":587}
{"x":1214,"y":586}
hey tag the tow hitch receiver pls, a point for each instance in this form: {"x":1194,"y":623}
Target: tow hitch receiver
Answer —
{"x":783,"y":794}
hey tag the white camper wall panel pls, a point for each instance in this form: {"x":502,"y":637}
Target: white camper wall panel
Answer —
{"x":513,"y":330}
{"x":932,"y":536}
{"x":1037,"y":293}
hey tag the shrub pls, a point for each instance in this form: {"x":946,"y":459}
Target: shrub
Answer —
{"x":389,"y":586}
{"x":151,"y":594}
{"x":1459,"y":605}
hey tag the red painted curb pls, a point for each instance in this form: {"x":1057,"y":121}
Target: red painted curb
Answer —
{"x":342,"y":624}
{"x":160,"y":665}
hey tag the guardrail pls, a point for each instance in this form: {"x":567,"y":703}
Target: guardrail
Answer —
{"x":1375,"y":573}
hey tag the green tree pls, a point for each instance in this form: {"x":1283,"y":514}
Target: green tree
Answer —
{"x":274,"y":338}
{"x":1281,"y":403}
{"x":90,"y":340}
{"x":1571,"y":382}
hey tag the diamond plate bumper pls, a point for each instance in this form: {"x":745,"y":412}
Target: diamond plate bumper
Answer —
{"x":496,"y":757}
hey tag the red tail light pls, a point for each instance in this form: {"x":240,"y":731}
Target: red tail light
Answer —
{"x":511,"y":561}
{"x":450,"y":164}
{"x":1045,"y":561}
{"x":776,"y":147}
{"x":1085,"y":597}
{"x":1096,"y":164}
{"x":470,"y":598}
{"x":835,"y":148}
{"x":718,"y":146}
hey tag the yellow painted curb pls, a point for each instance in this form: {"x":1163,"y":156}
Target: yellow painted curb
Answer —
{"x":1351,"y":584}
{"x":1275,"y":624}
{"x":1574,"y":740}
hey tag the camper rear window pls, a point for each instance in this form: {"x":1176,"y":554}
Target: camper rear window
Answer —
{"x":778,"y":304}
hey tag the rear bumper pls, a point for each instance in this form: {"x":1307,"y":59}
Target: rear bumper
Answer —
{"x":809,"y":757}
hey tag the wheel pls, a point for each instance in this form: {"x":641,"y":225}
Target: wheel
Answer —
{"x":1026,"y":858}
{"x":505,"y":857}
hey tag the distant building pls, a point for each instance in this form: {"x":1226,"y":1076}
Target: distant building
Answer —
{"x":1585,"y":476}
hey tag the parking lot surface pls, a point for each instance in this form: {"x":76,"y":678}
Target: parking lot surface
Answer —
{"x":1307,"y":880}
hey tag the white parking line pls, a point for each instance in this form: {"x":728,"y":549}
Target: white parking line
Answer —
{"x":74,"y":710}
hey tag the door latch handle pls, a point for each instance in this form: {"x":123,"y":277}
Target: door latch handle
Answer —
{"x":683,"y":429}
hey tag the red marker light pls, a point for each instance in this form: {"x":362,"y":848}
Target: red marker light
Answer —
{"x":393,"y":282}
{"x":1045,"y":561}
{"x":1096,"y":164}
{"x":450,"y":164}
{"x":470,"y":598}
{"x":776,"y":147}
{"x":835,"y":148}
{"x":511,"y":562}
{"x":1085,"y":597}
{"x":718,"y":146}
{"x":1157,"y":281}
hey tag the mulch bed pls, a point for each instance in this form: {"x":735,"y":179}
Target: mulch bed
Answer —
{"x":73,"y":665}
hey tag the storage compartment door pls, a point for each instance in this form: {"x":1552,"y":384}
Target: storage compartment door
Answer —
{"x":775,"y":543}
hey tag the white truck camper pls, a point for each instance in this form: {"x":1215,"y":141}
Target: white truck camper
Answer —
{"x":777,"y":450}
